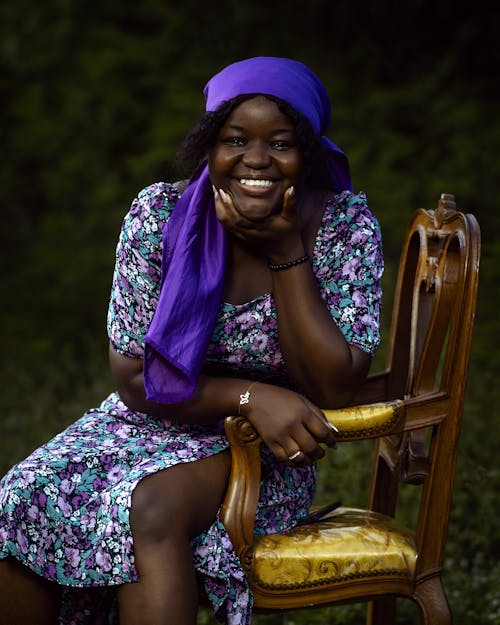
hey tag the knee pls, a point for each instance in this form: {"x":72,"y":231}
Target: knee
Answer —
{"x":179,"y":502}
{"x":157,"y":513}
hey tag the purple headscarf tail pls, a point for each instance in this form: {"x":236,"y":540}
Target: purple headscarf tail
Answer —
{"x":338,"y":166}
{"x":194,"y":242}
{"x":193,"y":263}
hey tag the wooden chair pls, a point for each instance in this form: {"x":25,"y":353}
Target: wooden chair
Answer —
{"x":413,"y":409}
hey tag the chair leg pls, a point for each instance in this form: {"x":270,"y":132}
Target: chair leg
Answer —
{"x":381,"y":612}
{"x":432,"y":602}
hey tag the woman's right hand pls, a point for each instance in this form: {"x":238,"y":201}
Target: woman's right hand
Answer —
{"x":288,"y":423}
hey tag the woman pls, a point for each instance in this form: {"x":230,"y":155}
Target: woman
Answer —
{"x":121,"y":509}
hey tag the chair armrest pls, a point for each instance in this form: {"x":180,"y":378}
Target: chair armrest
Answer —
{"x":242,"y":495}
{"x":354,"y":423}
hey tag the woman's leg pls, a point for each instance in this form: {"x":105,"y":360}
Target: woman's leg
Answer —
{"x":168,"y":509}
{"x":26,"y":598}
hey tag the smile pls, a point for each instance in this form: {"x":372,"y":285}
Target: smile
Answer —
{"x":252,"y":182}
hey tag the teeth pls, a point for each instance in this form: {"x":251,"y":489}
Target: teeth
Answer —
{"x":256,"y":183}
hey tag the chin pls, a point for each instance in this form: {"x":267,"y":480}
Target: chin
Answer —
{"x":258,"y":211}
{"x":256,"y":215}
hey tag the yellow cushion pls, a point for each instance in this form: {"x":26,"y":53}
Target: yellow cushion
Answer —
{"x":348,"y":543}
{"x":366,"y":420}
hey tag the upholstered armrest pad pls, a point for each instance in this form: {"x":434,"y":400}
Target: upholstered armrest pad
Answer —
{"x":366,"y":421}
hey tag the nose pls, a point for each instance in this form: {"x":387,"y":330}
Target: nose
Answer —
{"x":257,"y":155}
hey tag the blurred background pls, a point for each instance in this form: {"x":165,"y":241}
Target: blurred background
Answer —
{"x":95,"y":97}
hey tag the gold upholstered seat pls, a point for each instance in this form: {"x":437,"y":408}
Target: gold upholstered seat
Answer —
{"x":345,"y":545}
{"x":413,"y":409}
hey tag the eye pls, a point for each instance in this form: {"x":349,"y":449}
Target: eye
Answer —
{"x":234,"y":141}
{"x":281,"y":145}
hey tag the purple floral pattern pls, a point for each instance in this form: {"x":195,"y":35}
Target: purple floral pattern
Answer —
{"x":64,"y":511}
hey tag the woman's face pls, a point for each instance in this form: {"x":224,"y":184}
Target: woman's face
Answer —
{"x":256,"y":157}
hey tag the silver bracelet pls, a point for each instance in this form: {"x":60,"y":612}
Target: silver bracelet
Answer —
{"x":245,"y":397}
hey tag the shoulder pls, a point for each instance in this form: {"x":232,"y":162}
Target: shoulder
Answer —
{"x":150,"y":210}
{"x":349,"y":209}
{"x":348,"y":220}
{"x":348,"y":229}
{"x":158,"y":199}
{"x":159,"y":193}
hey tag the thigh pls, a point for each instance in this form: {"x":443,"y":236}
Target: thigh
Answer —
{"x":184,"y":498}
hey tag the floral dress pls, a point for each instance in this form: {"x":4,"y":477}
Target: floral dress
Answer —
{"x":64,"y":511}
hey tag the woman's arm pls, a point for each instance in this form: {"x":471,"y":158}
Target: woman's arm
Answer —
{"x":215,"y":398}
{"x":286,"y":421}
{"x":319,"y":359}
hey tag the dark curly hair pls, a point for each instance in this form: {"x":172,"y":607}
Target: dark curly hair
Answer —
{"x":203,"y":135}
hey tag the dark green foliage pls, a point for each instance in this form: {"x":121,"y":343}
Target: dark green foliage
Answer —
{"x":95,"y":98}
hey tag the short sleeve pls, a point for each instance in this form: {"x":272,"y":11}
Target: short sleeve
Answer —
{"x":136,"y":279}
{"x":348,"y":265}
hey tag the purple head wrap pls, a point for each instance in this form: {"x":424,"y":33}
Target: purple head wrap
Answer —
{"x":194,"y":242}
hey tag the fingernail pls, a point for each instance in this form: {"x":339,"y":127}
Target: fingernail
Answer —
{"x":292,"y":191}
{"x":223,"y":194}
{"x":334,"y":428}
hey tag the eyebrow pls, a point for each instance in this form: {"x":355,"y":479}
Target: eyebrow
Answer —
{"x":275,"y":132}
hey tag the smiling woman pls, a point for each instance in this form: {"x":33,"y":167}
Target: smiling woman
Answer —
{"x":230,"y":296}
